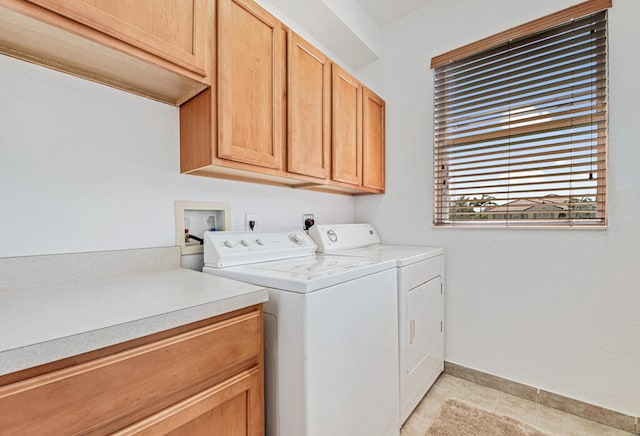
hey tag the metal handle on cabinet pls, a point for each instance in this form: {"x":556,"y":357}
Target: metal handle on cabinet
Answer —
{"x":412,"y":330}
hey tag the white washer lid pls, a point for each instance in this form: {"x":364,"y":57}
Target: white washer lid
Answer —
{"x":309,"y":268}
{"x":303,"y":274}
{"x":402,"y":254}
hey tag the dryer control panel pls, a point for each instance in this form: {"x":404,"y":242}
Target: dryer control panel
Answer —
{"x":335,"y":237}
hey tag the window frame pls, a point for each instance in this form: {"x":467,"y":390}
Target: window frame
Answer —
{"x":442,"y":218}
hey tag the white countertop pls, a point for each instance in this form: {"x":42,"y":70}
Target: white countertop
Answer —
{"x":42,"y":324}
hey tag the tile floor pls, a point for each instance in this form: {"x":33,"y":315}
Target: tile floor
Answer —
{"x":546,"y":419}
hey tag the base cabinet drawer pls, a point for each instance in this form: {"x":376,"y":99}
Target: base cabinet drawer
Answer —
{"x":109,"y":393}
{"x":232,"y":408}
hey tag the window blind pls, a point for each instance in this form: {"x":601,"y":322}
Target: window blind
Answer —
{"x":520,"y":130}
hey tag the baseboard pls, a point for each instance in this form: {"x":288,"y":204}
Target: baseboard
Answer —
{"x":582,"y":409}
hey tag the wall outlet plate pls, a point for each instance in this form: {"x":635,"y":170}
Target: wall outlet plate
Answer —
{"x":308,"y":221}
{"x":248,"y":217}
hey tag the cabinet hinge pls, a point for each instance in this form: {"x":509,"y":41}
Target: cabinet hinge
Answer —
{"x":440,"y":326}
{"x":441,"y":288}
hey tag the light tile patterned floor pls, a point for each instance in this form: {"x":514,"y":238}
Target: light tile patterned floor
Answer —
{"x":546,"y":419}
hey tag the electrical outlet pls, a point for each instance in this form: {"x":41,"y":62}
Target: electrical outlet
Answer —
{"x":250,"y":221}
{"x":307,"y":221}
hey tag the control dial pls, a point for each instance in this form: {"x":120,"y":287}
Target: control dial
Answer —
{"x":332,"y":235}
{"x":296,"y":239}
{"x":259,"y":242}
{"x":229,"y":244}
{"x":245,"y":243}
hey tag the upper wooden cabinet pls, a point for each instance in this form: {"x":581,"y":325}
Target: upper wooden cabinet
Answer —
{"x":346,"y":127}
{"x":236,"y":128}
{"x":246,"y":127}
{"x":358,"y":135}
{"x":175,"y":30}
{"x":250,"y":84}
{"x":373,"y":140}
{"x":156,"y":48}
{"x":309,"y":108}
{"x":257,"y":102}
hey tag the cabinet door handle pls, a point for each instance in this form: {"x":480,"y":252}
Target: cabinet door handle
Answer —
{"x":412,"y":331}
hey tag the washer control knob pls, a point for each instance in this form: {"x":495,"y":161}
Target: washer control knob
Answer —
{"x":229,"y":244}
{"x":245,"y":243}
{"x":259,"y":242}
{"x":296,"y":239}
{"x":333,"y":236}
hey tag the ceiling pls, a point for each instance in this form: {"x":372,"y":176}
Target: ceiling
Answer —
{"x":351,"y":29}
{"x":384,"y":12}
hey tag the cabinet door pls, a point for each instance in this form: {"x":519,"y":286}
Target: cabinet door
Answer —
{"x":346,"y":135}
{"x":175,"y":30}
{"x":110,"y":390}
{"x":308,"y":108}
{"x":232,"y":408}
{"x":373,"y":133}
{"x":250,"y":73}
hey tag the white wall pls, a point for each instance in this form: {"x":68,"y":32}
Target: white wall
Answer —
{"x":558,"y":309}
{"x":85,"y":167}
{"x":349,"y":36}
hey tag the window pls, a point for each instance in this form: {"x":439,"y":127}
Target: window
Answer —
{"x":520,"y":124}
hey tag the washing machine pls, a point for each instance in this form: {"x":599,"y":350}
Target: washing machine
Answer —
{"x":331,"y":333}
{"x":420,"y":287}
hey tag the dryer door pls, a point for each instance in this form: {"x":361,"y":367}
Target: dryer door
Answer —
{"x":425,"y":317}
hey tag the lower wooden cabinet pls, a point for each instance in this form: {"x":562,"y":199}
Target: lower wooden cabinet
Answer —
{"x":228,"y":409}
{"x":205,"y":380}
